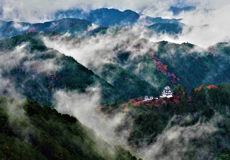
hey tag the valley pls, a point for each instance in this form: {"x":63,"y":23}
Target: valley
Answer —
{"x":89,"y":82}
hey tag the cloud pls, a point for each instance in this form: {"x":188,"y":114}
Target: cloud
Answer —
{"x":7,"y":89}
{"x":94,"y":26}
{"x":41,"y":10}
{"x":98,"y":53}
{"x":174,"y":141}
{"x":19,"y":26}
{"x":42,"y":65}
{"x":9,"y":60}
{"x":20,"y":58}
{"x":209,"y":27}
{"x":16,"y":117}
{"x":210,"y":19}
{"x":95,"y":52}
{"x":100,"y":49}
{"x":83,"y":106}
{"x":202,"y":28}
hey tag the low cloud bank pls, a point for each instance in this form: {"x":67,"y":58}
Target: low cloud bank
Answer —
{"x":83,"y":106}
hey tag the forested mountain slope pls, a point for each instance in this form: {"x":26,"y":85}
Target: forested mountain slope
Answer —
{"x":38,"y":72}
{"x":164,"y":63}
{"x":30,"y":131}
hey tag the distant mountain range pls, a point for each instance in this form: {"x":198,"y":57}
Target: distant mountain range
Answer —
{"x":77,"y":22}
{"x":70,"y":25}
{"x":109,"y":17}
{"x":104,"y":17}
{"x":79,"y":27}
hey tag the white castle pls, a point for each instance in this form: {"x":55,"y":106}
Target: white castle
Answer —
{"x":167,"y":93}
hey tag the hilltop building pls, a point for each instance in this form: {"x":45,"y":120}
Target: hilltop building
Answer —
{"x":167,"y":93}
{"x":149,"y":98}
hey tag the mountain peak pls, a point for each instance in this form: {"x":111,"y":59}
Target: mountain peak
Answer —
{"x":177,"y":10}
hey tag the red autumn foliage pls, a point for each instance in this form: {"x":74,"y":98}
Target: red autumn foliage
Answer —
{"x":126,"y":109}
{"x":32,"y":29}
{"x":98,"y":109}
{"x":55,"y":25}
{"x":160,"y":66}
{"x":107,"y":115}
{"x":138,"y":103}
{"x":164,"y":69}
{"x":140,"y":98}
{"x":160,"y":101}
{"x":212,"y":52}
{"x":211,"y":87}
{"x":168,"y":100}
{"x":53,"y":75}
{"x":176,"y":101}
{"x":198,"y":89}
{"x":192,"y":55}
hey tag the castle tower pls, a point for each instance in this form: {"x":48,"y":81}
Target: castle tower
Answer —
{"x":167,"y":93}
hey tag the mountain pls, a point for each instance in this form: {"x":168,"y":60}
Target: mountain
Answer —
{"x":66,"y":63}
{"x":78,"y":22}
{"x":40,"y":71}
{"x":154,"y":20}
{"x":104,"y":16}
{"x":68,"y":25}
{"x":132,"y":60}
{"x":109,"y":17}
{"x":164,"y":63}
{"x":166,"y":28}
{"x":83,"y":28}
{"x":126,"y":82}
{"x":176,"y":10}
